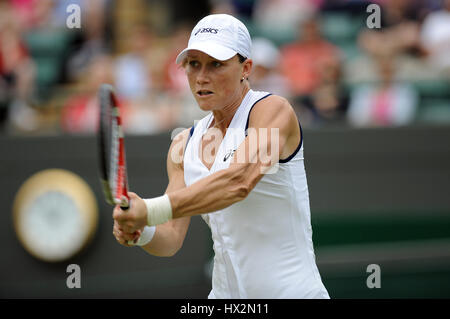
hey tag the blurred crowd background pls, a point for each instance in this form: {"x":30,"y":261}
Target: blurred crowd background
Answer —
{"x":320,"y":54}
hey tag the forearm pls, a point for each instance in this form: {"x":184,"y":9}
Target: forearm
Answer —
{"x":163,"y":243}
{"x":168,"y":238}
{"x":214,"y":192}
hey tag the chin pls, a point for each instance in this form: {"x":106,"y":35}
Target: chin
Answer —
{"x":204,"y":106}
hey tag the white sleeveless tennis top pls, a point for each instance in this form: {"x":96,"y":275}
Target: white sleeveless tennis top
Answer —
{"x":263,"y":244}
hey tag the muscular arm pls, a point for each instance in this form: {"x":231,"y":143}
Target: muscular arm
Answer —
{"x":223,"y":188}
{"x":228,"y":186}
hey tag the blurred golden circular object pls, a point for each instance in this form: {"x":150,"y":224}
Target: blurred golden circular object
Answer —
{"x":55,"y":215}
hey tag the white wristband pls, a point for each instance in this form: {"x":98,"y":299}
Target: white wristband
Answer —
{"x":146,"y":236}
{"x":159,"y":210}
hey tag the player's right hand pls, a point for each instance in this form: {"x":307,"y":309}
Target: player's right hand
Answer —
{"x":124,"y":238}
{"x":134,"y":218}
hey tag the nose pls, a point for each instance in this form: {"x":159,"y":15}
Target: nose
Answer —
{"x":203,"y":76}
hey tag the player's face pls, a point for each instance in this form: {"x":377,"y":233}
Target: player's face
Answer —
{"x":215,"y":84}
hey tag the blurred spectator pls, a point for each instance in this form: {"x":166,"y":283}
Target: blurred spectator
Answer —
{"x":160,"y":106}
{"x":42,"y":17}
{"x":399,"y":32}
{"x":153,"y":114}
{"x":278,"y":17}
{"x":303,"y":61}
{"x":132,"y":73}
{"x":353,"y":6}
{"x":265,"y":74}
{"x":435,"y":37}
{"x":312,"y":66}
{"x":329,"y":101}
{"x":399,"y":37}
{"x":155,"y":110}
{"x":223,"y":6}
{"x":80,"y":112}
{"x":384,"y":103}
{"x":173,"y":77}
{"x":244,"y":8}
{"x":238,"y":8}
{"x":155,"y":95}
{"x":17,"y":73}
{"x":181,"y":108}
{"x":94,"y":39}
{"x":48,"y":43}
{"x":23,"y":12}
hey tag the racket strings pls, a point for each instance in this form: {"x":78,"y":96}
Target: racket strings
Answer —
{"x":112,"y":152}
{"x":114,"y":164}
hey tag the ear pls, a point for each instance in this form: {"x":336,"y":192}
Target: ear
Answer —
{"x":247,"y":66}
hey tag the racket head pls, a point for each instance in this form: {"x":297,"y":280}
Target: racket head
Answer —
{"x":113,"y":173}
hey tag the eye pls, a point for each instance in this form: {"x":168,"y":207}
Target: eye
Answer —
{"x":216,"y":64}
{"x":193,"y":63}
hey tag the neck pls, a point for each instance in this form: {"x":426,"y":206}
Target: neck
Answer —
{"x":222,"y":118}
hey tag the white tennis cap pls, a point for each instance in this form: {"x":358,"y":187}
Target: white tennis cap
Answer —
{"x":221,"y":36}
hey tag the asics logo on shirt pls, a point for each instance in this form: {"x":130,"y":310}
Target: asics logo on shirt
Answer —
{"x":228,"y":155}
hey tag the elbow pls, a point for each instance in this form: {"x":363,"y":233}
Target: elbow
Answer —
{"x":240,"y":183}
{"x":175,"y":248}
{"x":167,"y":252}
{"x":240,"y":189}
{"x":173,"y":251}
{"x":241,"y":192}
{"x":167,"y":247}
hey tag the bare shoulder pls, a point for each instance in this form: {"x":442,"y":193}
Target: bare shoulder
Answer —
{"x":181,"y":136}
{"x":272,"y":109}
{"x":275,"y":100}
{"x":177,"y":147}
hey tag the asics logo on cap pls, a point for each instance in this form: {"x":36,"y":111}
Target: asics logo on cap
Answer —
{"x":206,"y":30}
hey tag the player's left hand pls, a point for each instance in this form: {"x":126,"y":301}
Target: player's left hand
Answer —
{"x":134,"y":218}
{"x":125,"y":239}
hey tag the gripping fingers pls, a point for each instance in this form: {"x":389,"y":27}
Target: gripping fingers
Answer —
{"x":126,"y":219}
{"x":120,"y":239}
{"x":124,"y":238}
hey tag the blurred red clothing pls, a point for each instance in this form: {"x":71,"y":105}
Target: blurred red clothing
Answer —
{"x":302,"y":64}
{"x":13,"y":52}
{"x":174,"y":75}
{"x":23,"y":12}
{"x":80,"y":115}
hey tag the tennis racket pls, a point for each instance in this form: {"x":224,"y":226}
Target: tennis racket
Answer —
{"x":113,"y":171}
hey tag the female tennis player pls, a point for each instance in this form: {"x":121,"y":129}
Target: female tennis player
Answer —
{"x":255,"y":201}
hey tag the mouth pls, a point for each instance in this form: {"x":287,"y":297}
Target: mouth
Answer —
{"x":204,"y":93}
